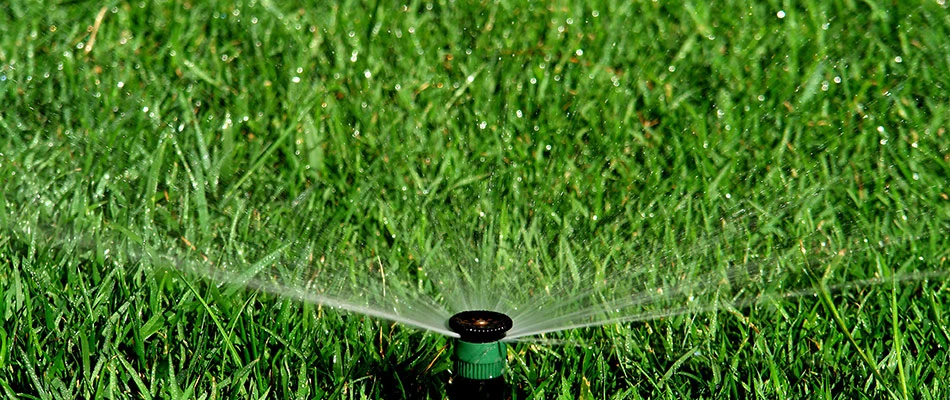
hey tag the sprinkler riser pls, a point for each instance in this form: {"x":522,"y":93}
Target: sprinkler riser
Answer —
{"x":480,"y":361}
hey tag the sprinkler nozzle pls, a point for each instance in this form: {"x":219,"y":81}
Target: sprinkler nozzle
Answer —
{"x":479,"y":355}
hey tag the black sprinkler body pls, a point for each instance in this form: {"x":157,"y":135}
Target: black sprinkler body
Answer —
{"x":480,"y":326}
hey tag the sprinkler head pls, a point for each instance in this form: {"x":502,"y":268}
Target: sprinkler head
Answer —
{"x":480,"y":326}
{"x":479,"y":355}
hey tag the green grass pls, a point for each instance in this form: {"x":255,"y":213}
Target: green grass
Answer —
{"x":588,"y":134}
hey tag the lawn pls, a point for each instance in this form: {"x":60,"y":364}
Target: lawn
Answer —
{"x":237,"y":199}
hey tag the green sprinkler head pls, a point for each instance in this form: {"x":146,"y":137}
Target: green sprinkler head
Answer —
{"x":480,"y":355}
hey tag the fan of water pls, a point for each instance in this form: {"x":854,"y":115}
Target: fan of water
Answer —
{"x":553,"y":273}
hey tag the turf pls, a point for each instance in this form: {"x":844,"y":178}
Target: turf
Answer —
{"x":138,"y":139}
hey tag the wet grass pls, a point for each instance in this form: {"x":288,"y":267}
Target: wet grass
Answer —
{"x":142,"y":137}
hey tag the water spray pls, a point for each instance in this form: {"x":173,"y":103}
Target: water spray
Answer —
{"x":480,"y":356}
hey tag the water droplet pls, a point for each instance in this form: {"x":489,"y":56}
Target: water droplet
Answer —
{"x":898,"y":59}
{"x":579,"y":52}
{"x":780,"y":14}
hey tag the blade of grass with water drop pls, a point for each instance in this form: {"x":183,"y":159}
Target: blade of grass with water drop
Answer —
{"x":248,"y":274}
{"x":258,"y":163}
{"x":235,"y":358}
{"x":825,"y":296}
